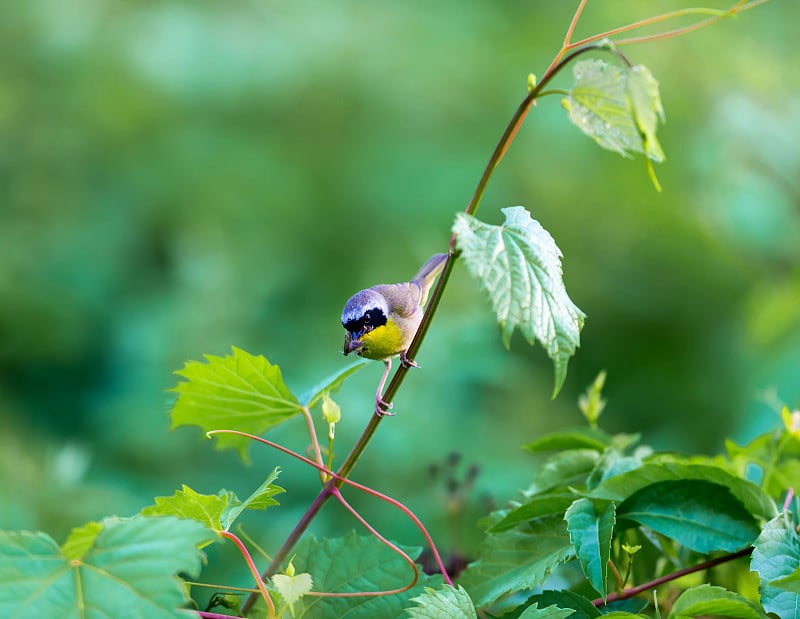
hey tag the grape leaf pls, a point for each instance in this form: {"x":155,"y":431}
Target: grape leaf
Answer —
{"x":128,"y":570}
{"x":216,"y":511}
{"x":519,"y":265}
{"x":332,"y":383}
{"x":356,"y":564}
{"x":618,"y":107}
{"x":708,"y":600}
{"x":517,"y":560}
{"x":444,"y":603}
{"x":240,"y":392}
{"x":292,"y":588}
{"x":591,"y":536}
{"x":776,"y":555}
{"x":698,"y":514}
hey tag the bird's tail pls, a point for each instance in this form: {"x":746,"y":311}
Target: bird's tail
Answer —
{"x":428,"y":274}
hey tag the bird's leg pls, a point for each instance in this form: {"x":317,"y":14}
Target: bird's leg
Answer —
{"x":406,"y":362}
{"x":382,"y":407}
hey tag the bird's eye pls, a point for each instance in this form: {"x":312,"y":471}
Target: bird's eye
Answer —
{"x":367,"y":318}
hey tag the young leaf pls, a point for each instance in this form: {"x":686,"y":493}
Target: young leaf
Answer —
{"x":236,"y":392}
{"x":444,"y":603}
{"x":517,"y":560}
{"x":591,"y":536}
{"x":700,"y":515}
{"x":776,"y":555}
{"x":618,"y":107}
{"x":206,"y":509}
{"x":708,"y":600}
{"x":260,"y":499}
{"x":129,"y":570}
{"x":80,"y":540}
{"x":519,"y":265}
{"x":292,"y":588}
{"x":332,"y":383}
{"x":356,"y":564}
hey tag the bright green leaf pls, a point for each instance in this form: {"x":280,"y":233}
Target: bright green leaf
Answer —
{"x":539,"y":506}
{"x":551,"y":612}
{"x":591,"y":536}
{"x":206,"y":509}
{"x":519,"y":265}
{"x":292,"y":588}
{"x":356,"y":564}
{"x":517,"y":560}
{"x":128,"y":571}
{"x":444,"y":603}
{"x":674,"y":468}
{"x":80,"y":540}
{"x":776,"y":555}
{"x":237,"y":392}
{"x":707,"y":600}
{"x":647,"y":109}
{"x":260,"y":499}
{"x":700,"y":515}
{"x":332,"y":383}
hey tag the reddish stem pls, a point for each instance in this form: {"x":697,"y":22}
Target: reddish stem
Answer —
{"x":253,"y":570}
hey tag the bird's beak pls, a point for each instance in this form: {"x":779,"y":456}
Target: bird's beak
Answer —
{"x":352,"y":344}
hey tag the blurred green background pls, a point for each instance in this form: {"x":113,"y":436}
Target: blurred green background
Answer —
{"x":180,"y":177}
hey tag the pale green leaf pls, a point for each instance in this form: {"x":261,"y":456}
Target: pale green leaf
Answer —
{"x":776,"y":555}
{"x":591,"y":533}
{"x":519,"y":266}
{"x":698,"y":514}
{"x":240,"y":392}
{"x":517,"y":560}
{"x":551,"y":612}
{"x":618,"y":107}
{"x":129,"y":570}
{"x":292,"y":588}
{"x":356,"y":564}
{"x":261,"y":498}
{"x":708,"y":600}
{"x":332,"y":383}
{"x":444,"y":603}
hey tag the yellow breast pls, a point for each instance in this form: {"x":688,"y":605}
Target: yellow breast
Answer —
{"x":383,"y":342}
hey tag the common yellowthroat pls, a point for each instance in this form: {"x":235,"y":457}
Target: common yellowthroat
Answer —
{"x":381,"y":321}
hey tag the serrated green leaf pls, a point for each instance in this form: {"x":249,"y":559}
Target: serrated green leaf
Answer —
{"x":776,"y":555}
{"x":207,"y":509}
{"x":519,"y":265}
{"x":517,"y":560}
{"x":332,"y":383}
{"x":581,"y":606}
{"x":539,"y":506}
{"x":708,"y":600}
{"x":551,"y":612}
{"x":566,"y":468}
{"x":699,"y":515}
{"x":129,"y":571}
{"x":591,"y":533}
{"x":674,"y":468}
{"x":571,"y":438}
{"x":444,"y":603}
{"x":260,"y":499}
{"x":240,"y":392}
{"x":356,"y":564}
{"x":292,"y":588}
{"x":618,"y":107}
{"x":80,"y":540}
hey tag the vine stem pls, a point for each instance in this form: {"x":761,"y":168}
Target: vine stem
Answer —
{"x":633,"y":591}
{"x":253,"y":570}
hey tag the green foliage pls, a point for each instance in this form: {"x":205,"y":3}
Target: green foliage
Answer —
{"x":215,"y":511}
{"x":590,"y":533}
{"x":445,"y":603}
{"x":776,"y":558}
{"x":115,"y":568}
{"x":710,"y":600}
{"x":355,"y":564}
{"x":519,"y":265}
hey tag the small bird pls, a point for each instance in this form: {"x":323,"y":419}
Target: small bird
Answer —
{"x":381,"y":321}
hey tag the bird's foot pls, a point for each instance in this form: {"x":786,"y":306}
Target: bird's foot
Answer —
{"x":382,"y":407}
{"x":406,"y":362}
